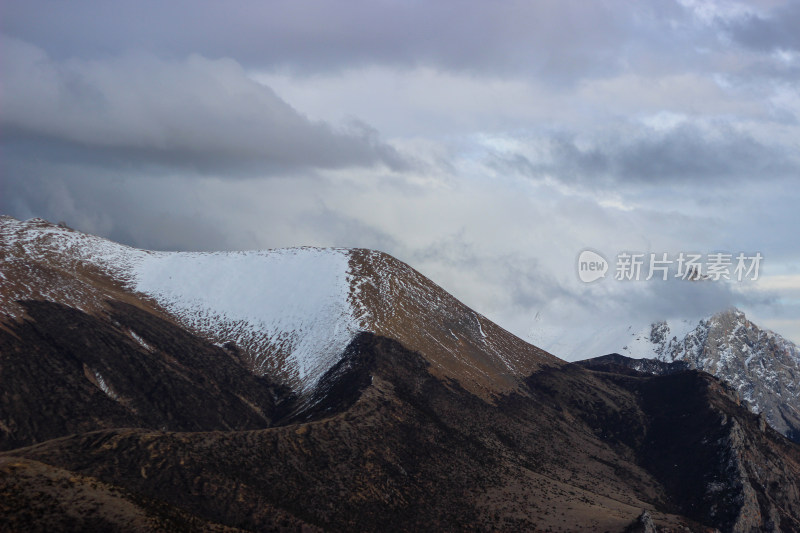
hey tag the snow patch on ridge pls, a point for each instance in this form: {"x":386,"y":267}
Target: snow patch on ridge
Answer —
{"x":290,"y":313}
{"x":296,"y":298}
{"x":295,"y":301}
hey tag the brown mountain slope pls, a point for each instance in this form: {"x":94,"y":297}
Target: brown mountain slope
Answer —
{"x":398,"y":302}
{"x":575,"y":450}
{"x":63,"y":371}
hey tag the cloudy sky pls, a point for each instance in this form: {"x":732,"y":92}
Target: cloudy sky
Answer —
{"x":485,"y":143}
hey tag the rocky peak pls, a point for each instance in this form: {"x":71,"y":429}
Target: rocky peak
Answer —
{"x":762,"y":366}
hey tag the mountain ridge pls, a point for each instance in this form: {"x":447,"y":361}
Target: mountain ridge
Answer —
{"x":291,"y":312}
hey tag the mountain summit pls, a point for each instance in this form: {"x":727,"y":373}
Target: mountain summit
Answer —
{"x":289,"y":313}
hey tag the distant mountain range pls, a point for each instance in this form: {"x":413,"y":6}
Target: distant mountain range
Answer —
{"x":330,"y":389}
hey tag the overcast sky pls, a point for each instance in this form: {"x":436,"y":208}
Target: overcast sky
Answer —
{"x":485,"y":143}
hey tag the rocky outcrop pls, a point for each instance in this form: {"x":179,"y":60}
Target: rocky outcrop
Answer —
{"x":643,"y":524}
{"x":762,"y":366}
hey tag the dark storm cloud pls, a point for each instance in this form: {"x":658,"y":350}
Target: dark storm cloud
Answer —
{"x":679,"y":155}
{"x":137,"y":110}
{"x":559,"y":38}
{"x":154,"y":213}
{"x":780,"y":29}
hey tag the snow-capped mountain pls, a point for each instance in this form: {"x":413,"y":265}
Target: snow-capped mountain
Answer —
{"x":763,"y":366}
{"x":331,"y":389}
{"x":290,"y":313}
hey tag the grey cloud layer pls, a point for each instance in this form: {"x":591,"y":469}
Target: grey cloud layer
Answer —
{"x":779,"y":29}
{"x":558,"y":38}
{"x":136,"y":109}
{"x":684,"y":154}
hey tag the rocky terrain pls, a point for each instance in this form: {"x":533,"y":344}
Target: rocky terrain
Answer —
{"x":142,"y":410}
{"x":762,"y":366}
